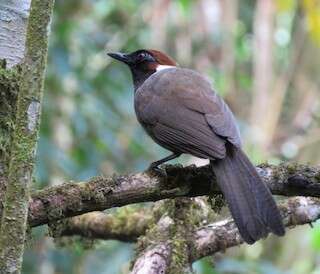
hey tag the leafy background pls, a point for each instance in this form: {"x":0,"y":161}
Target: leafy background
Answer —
{"x":264,"y":59}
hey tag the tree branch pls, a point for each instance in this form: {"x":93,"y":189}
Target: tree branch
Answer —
{"x":154,"y":260}
{"x":165,"y":246}
{"x":126,"y":224}
{"x":100,"y":193}
{"x":222,"y":235}
{"x":155,"y":257}
{"x":217,"y":237}
{"x":295,"y":211}
{"x":158,"y":247}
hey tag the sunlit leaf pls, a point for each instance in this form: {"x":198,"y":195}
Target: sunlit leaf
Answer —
{"x":312,"y":10}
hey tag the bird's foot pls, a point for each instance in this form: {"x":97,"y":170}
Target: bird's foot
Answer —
{"x":154,"y":169}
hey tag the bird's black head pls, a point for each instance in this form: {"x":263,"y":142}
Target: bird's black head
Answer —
{"x":143,"y":63}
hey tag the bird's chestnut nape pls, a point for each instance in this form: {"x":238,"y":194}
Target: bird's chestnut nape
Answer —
{"x":143,"y":63}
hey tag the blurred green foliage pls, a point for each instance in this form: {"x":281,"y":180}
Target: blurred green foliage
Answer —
{"x":88,"y":123}
{"x":315,"y":238}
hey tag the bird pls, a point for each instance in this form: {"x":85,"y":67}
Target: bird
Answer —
{"x":180,"y":111}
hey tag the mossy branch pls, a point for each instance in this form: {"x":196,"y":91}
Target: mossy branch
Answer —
{"x":25,"y":134}
{"x":100,"y":193}
{"x":219,"y":236}
{"x":159,"y":237}
{"x":126,"y":224}
{"x":212,"y":238}
{"x":170,"y":241}
{"x":168,"y":237}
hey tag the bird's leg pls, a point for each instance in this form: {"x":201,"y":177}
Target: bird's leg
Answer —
{"x":166,"y":159}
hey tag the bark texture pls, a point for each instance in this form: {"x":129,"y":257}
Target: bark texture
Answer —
{"x":222,"y":235}
{"x":154,"y":260}
{"x":100,"y":193}
{"x":23,"y":146}
{"x":126,"y":224}
{"x":159,"y":248}
{"x":9,"y":87}
{"x":13,"y":24}
{"x":164,"y":248}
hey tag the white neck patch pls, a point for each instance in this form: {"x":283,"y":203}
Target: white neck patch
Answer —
{"x":161,"y":67}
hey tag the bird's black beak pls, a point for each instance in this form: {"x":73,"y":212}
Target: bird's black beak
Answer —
{"x":122,"y":57}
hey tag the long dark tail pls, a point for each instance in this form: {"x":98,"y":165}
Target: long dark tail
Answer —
{"x":250,"y":201}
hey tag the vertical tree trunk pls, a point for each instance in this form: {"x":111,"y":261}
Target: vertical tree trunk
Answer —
{"x":24,"y":139}
{"x":262,"y":69}
{"x":13,"y":23}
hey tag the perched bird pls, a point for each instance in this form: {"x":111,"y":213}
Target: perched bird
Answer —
{"x":180,"y":111}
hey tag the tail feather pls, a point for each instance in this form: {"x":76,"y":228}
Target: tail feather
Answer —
{"x":250,"y":201}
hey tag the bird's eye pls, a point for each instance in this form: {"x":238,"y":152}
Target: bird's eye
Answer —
{"x":142,"y":55}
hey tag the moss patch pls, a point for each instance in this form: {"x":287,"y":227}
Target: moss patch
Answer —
{"x":186,"y":215}
{"x":9,"y":87}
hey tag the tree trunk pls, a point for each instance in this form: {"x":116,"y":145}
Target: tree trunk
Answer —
{"x":13,"y":22}
{"x":24,"y":131}
{"x":262,"y":70}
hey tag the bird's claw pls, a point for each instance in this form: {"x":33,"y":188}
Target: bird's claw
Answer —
{"x":155,"y":169}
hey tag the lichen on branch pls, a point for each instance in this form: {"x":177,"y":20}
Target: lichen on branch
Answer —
{"x":100,"y":193}
{"x":125,"y":224}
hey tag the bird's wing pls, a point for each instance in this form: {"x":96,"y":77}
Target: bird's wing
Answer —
{"x":216,"y":112}
{"x":187,"y":131}
{"x":185,"y":115}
